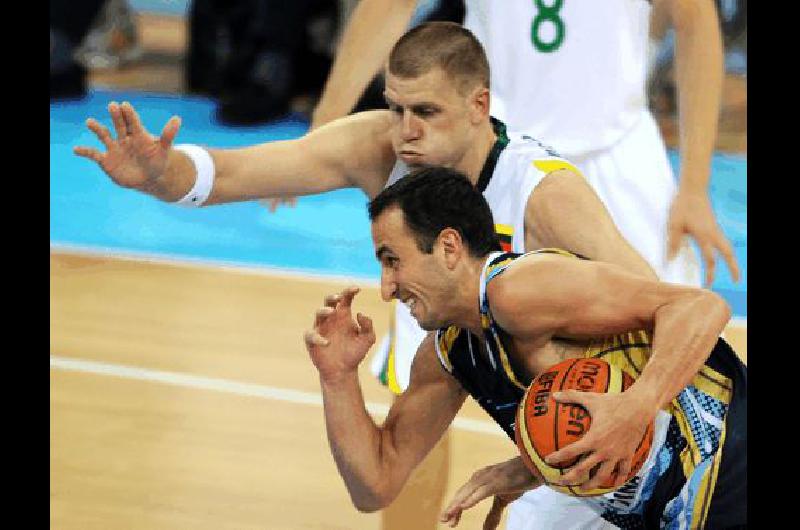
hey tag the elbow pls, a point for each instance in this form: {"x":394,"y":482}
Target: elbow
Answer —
{"x":366,"y":507}
{"x":723,"y":307}
{"x":715,"y":307}
{"x":372,"y":496}
{"x":371,"y":502}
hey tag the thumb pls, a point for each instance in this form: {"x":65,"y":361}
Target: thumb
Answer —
{"x":169,"y":132}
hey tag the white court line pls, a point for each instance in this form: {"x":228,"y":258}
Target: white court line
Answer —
{"x":738,"y":322}
{"x":237,"y":388}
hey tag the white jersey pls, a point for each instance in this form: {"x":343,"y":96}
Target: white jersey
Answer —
{"x":515,"y":167}
{"x":572,"y":73}
{"x":520,"y":166}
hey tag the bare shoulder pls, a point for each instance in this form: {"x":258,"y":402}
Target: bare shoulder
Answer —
{"x":557,"y":185}
{"x":515,"y":294}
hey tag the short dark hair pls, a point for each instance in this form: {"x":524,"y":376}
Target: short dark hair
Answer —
{"x":447,"y":45}
{"x":435,"y":198}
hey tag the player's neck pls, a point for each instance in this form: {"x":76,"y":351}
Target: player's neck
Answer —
{"x":467,"y":300}
{"x":475,"y":157}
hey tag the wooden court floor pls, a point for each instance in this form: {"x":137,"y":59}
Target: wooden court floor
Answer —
{"x":147,"y":449}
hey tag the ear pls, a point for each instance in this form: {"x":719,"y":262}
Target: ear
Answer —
{"x":479,"y":103}
{"x":451,"y":245}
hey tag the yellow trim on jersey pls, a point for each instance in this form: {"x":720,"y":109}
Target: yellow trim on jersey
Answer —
{"x":506,"y":230}
{"x":445,"y":344}
{"x":391,"y":369}
{"x":507,"y":365}
{"x":716,"y":385}
{"x":491,"y":268}
{"x":629,"y":351}
{"x":554,"y":250}
{"x":548,"y":166}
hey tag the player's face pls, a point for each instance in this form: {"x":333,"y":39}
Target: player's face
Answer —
{"x":417,"y":279}
{"x":434,"y":124}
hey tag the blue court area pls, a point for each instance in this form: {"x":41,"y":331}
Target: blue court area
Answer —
{"x":323,"y":234}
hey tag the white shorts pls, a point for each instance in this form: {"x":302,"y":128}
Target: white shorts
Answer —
{"x":635,"y":182}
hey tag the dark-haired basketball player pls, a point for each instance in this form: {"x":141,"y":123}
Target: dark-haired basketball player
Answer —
{"x":438,"y":92}
{"x":502,"y":318}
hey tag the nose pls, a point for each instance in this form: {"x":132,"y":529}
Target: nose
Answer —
{"x":411,"y":129}
{"x":388,"y":285}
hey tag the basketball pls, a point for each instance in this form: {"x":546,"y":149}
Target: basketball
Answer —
{"x":544,"y":426}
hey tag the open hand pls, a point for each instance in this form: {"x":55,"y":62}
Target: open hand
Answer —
{"x":135,"y":159}
{"x":691,"y":214}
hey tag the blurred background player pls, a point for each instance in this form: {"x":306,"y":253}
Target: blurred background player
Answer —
{"x":574,"y":74}
{"x":70,"y":22}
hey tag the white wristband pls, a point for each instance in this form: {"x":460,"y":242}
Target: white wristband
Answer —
{"x":204,"y":170}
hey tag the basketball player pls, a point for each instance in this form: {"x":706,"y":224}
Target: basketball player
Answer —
{"x":574,"y":74}
{"x":502,"y":318}
{"x":438,"y":90}
{"x":557,"y":75}
{"x":437,"y":85}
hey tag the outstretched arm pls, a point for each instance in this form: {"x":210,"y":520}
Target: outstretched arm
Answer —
{"x":699,"y":71}
{"x":352,"y":152}
{"x":542,"y":296}
{"x":372,"y":30}
{"x":375,"y":461}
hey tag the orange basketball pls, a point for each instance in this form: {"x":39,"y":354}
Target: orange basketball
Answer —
{"x":544,"y":426}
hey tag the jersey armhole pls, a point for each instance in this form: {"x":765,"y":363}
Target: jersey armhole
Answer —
{"x":444,"y":340}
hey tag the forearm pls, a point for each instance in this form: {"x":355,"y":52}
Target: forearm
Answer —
{"x":686,"y":332}
{"x":699,"y":70}
{"x":373,"y":29}
{"x":355,"y":442}
{"x":238,"y":175}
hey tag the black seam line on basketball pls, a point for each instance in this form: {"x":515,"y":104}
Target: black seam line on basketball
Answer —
{"x":720,"y":384}
{"x":555,"y":416}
